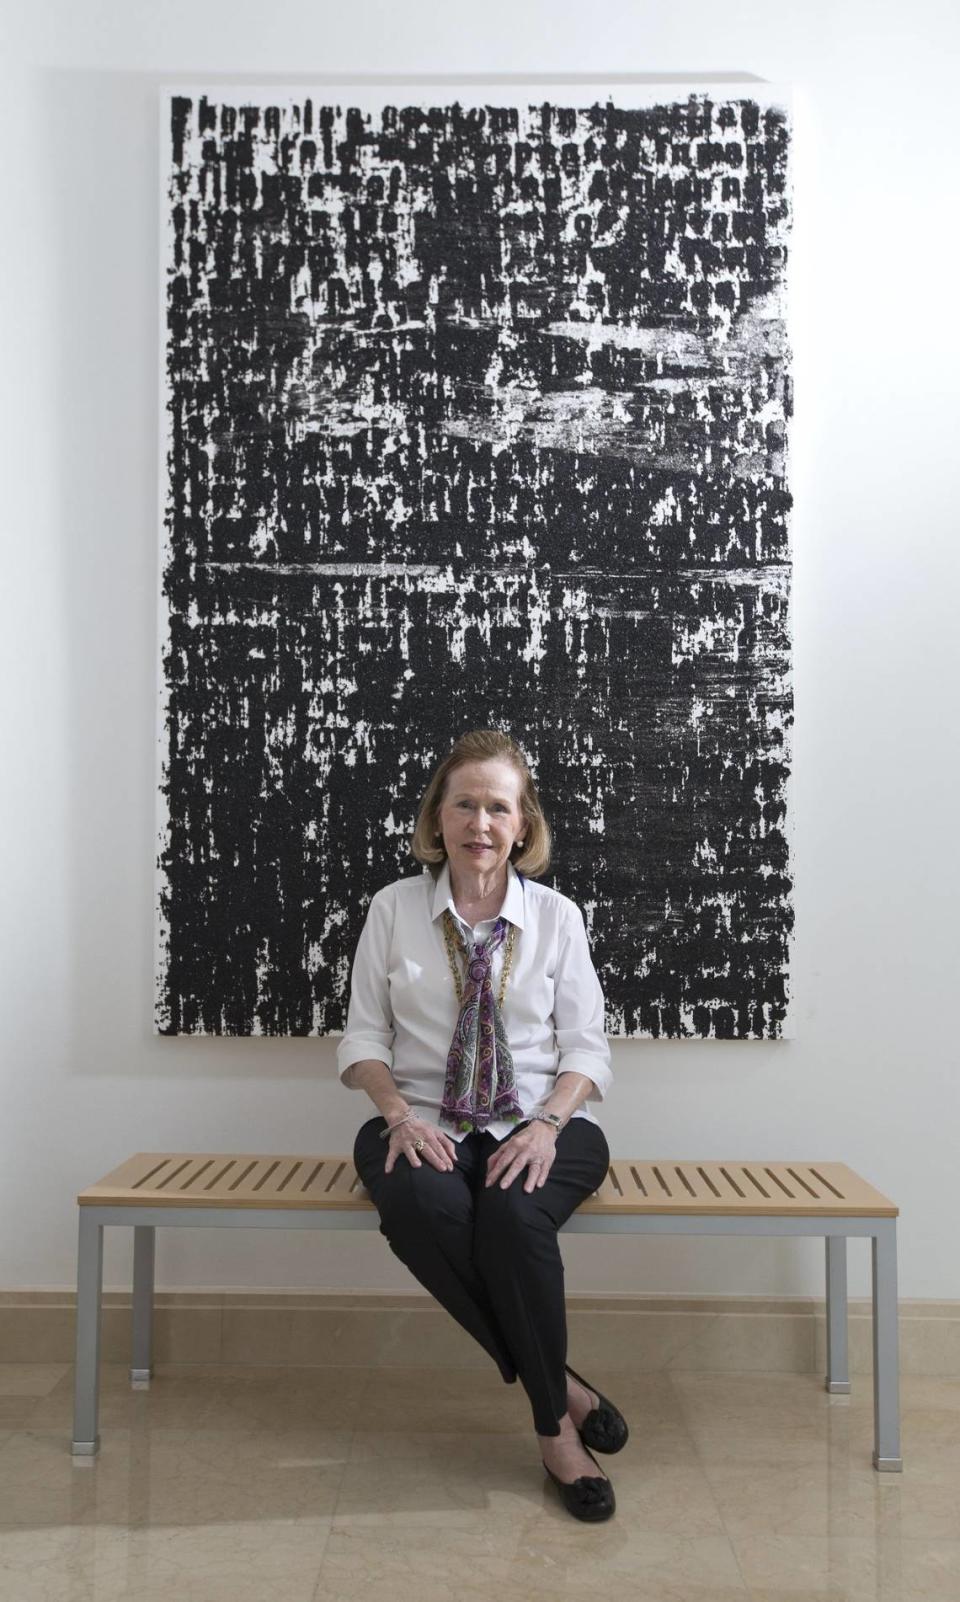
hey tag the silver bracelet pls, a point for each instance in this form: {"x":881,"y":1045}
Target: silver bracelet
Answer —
{"x":391,"y":1127}
{"x":553,"y":1119}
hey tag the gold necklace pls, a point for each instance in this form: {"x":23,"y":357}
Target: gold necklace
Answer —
{"x":453,"y":940}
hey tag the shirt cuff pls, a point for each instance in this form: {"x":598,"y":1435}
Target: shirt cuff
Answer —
{"x":584,"y":1062}
{"x":357,"y":1049}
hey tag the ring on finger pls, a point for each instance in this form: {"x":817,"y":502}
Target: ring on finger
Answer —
{"x":418,"y":1146}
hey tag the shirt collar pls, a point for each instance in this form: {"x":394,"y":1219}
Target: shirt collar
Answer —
{"x":512,"y":908}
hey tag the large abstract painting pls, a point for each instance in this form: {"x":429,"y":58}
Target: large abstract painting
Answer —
{"x":474,"y":414}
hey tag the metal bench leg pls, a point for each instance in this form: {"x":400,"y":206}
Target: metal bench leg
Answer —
{"x":86,"y":1396}
{"x":838,"y":1372}
{"x":886,"y":1361}
{"x":143,"y":1255}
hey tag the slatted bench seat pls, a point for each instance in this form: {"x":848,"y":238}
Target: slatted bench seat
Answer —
{"x":217,"y":1189}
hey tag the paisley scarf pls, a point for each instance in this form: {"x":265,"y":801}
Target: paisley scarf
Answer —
{"x":480,"y":1085}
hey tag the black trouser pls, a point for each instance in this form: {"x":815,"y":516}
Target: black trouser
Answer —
{"x":491,"y":1256}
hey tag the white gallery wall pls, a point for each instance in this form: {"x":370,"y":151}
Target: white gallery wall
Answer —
{"x":872,"y":1075}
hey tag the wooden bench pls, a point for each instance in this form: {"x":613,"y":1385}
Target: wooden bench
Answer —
{"x":217,"y":1189}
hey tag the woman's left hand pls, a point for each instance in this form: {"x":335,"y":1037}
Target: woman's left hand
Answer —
{"x":534,"y":1147}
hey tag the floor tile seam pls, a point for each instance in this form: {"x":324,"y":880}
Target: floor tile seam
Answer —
{"x":693,"y":1337}
{"x":15,"y":1436}
{"x":334,"y":1511}
{"x":816,"y":1487}
{"x":704,"y":1471}
{"x":327,"y":1519}
{"x":893,"y":1543}
{"x":705,"y":1467}
{"x":826,"y":1533}
{"x":806,"y":1415}
{"x":357,"y":1402}
{"x":425,"y":1457}
{"x":318,"y":1594}
{"x":465,"y":1519}
{"x":765,"y":1431}
{"x":728,"y":1537}
{"x":684,"y":1424}
{"x":693,"y":1403}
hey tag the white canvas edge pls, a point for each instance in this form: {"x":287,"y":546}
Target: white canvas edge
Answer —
{"x":161,"y":815}
{"x":629,"y":91}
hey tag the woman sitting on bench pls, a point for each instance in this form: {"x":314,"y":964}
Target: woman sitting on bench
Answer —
{"x":476,"y":1027}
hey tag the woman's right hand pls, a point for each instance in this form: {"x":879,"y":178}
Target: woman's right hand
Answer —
{"x":438,"y":1148}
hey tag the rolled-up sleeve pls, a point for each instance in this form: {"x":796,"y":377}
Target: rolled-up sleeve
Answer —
{"x":578,"y":1009}
{"x":369,"y":1032}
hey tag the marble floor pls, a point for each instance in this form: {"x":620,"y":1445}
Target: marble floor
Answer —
{"x":321,"y":1484}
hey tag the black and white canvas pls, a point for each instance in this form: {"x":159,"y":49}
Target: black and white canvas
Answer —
{"x":474,"y":413}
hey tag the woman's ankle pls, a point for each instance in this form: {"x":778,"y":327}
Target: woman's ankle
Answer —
{"x":566,"y":1429}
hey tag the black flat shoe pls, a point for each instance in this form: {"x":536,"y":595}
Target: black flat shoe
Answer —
{"x":589,"y":1498}
{"x":604,"y":1428}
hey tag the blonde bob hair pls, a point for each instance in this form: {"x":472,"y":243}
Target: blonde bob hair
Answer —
{"x":484,"y":745}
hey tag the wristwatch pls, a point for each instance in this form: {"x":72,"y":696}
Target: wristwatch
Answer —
{"x":554,"y":1119}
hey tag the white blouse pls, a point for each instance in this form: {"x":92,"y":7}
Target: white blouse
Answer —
{"x":403,"y":1005}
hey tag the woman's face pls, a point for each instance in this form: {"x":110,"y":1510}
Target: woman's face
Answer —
{"x":480,"y":817}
